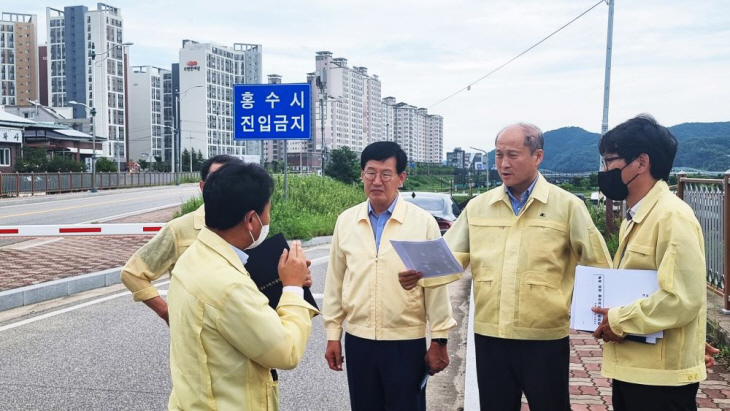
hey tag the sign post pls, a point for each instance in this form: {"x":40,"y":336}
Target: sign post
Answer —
{"x":273,"y":112}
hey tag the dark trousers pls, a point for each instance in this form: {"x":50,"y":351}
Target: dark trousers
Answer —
{"x":507,"y":368}
{"x":385,"y":375}
{"x":628,"y":396}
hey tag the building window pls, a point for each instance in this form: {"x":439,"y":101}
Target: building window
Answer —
{"x":4,"y":157}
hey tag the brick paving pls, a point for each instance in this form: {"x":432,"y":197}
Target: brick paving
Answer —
{"x":591,"y":392}
{"x":72,"y":256}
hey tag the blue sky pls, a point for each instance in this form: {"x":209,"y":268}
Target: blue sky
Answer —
{"x":670,"y":58}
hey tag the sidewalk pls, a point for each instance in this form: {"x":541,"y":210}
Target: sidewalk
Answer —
{"x":30,"y":261}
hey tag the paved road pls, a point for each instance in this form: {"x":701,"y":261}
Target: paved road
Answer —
{"x":86,"y":207}
{"x":112,"y":354}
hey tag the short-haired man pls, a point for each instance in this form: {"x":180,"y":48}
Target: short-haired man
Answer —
{"x":523,"y":241}
{"x":660,"y":233}
{"x":160,"y":254}
{"x":224,"y":337}
{"x":386,"y":325}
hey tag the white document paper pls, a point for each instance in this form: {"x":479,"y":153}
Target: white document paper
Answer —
{"x":433,"y":258}
{"x":602,"y":287}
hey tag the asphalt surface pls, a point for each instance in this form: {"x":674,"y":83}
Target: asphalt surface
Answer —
{"x":113,"y":355}
{"x":86,"y":207}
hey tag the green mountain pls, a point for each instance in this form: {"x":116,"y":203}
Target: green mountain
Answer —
{"x":704,"y":146}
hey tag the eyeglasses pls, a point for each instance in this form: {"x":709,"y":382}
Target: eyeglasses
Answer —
{"x":384,"y":176}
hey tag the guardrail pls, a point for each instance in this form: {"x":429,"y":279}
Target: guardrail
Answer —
{"x":710,"y":200}
{"x":17,"y":184}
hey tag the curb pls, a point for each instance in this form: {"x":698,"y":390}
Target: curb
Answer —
{"x":50,"y":290}
{"x":471,"y":389}
{"x":32,"y":294}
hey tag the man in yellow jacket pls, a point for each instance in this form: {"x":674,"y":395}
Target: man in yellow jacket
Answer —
{"x":523,"y":241}
{"x":660,"y":233}
{"x":224,"y":337}
{"x":386,"y":325}
{"x":160,"y":254}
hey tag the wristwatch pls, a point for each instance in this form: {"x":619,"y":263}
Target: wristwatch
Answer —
{"x":441,"y":341}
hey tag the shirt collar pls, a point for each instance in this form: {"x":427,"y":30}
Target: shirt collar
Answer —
{"x":241,"y":255}
{"x":635,"y":209}
{"x":389,"y":210}
{"x":526,"y":194}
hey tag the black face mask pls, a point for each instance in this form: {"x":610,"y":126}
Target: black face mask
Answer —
{"x":611,"y":184}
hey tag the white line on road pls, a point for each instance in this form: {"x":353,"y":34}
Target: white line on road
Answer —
{"x":114,"y":217}
{"x":65,"y":310}
{"x":320,"y":260}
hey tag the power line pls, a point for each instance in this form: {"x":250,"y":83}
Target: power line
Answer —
{"x":468,"y":87}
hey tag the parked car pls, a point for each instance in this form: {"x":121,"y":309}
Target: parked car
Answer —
{"x":443,"y":207}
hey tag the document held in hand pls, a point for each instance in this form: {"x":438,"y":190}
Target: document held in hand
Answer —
{"x":607,"y":288}
{"x":263,"y":266}
{"x":433,"y":258}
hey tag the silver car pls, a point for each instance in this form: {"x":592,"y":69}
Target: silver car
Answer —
{"x":442,"y":206}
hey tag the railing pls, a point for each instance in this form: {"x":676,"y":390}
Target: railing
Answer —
{"x":17,"y":184}
{"x":710,"y":200}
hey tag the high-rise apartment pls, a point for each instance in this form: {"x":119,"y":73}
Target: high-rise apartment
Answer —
{"x":86,"y":65}
{"x":147,"y":113}
{"x":18,"y":59}
{"x":207,"y":73}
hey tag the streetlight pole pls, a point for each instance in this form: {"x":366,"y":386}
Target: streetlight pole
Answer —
{"x":486,"y":157}
{"x":176,"y":131}
{"x":92,"y":111}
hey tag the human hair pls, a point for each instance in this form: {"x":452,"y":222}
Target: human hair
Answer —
{"x":533,"y":136}
{"x":219,"y":159}
{"x":383,"y":150}
{"x":233,"y":191}
{"x":642,"y":135}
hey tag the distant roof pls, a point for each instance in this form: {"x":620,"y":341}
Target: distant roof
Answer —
{"x":10,"y":118}
{"x":71,"y":133}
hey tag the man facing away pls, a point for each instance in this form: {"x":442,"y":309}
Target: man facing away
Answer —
{"x":386,"y":325}
{"x":523,"y":241}
{"x":225,"y":339}
{"x":160,"y":254}
{"x":660,"y":233}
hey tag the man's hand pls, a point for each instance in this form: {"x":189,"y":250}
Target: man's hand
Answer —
{"x":333,"y":354}
{"x":437,"y":358}
{"x":293,"y":266}
{"x":308,"y":281}
{"x":159,"y":306}
{"x":604,"y":329}
{"x":710,"y":351}
{"x":409,"y":279}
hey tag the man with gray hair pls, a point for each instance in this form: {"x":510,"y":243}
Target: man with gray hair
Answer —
{"x":523,"y":241}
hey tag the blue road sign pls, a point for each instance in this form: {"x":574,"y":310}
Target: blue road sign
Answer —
{"x":272,"y":112}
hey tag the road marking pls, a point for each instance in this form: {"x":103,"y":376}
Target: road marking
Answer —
{"x":318,"y":296}
{"x":79,"y":206}
{"x":68,"y":309}
{"x":102,"y":194}
{"x":24,"y":245}
{"x":320,"y":260}
{"x":147,"y":210}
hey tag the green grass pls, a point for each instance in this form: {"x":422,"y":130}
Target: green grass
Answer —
{"x":311,"y":209}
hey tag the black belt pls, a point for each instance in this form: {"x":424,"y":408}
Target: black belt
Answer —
{"x":274,"y":375}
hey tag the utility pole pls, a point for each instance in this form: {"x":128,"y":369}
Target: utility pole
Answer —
{"x":610,"y":228}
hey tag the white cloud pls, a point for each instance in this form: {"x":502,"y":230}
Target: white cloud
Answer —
{"x":671,"y":59}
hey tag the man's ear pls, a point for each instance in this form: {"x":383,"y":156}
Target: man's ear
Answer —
{"x":644,"y":163}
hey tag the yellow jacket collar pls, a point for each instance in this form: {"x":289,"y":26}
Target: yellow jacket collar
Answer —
{"x":648,"y":202}
{"x":539,"y":192}
{"x":399,"y":211}
{"x":222,"y":247}
{"x":199,"y":218}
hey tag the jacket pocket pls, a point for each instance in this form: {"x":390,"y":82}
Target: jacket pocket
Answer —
{"x":541,"y":302}
{"x":491,"y":235}
{"x":546,"y":245}
{"x":639,"y":256}
{"x":486,"y":295}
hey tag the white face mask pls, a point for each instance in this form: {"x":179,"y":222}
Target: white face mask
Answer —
{"x":262,"y":236}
